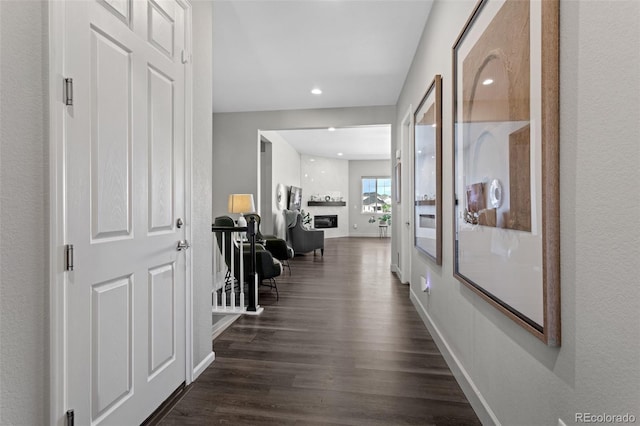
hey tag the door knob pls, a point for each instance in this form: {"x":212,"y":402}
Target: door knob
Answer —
{"x":183,"y":245}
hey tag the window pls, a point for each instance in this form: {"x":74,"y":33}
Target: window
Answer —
{"x":376,"y":194}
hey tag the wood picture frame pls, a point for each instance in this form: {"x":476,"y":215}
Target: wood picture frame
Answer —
{"x":506,"y":162}
{"x":427,"y":154}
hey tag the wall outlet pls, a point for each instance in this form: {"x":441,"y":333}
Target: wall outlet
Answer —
{"x":425,"y":285}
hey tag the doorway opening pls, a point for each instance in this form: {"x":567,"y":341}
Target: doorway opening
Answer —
{"x":329,"y":165}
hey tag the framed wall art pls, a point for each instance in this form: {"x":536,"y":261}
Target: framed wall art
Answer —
{"x":427,"y":139}
{"x":505,"y":174}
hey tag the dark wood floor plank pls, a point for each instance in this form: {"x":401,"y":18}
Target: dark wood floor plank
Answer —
{"x":342,"y":346}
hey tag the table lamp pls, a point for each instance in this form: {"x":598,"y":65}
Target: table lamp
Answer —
{"x":241,"y":203}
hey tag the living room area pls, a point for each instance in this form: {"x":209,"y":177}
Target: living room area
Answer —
{"x":312,"y":183}
{"x":338,"y":178}
{"x":238,"y":166}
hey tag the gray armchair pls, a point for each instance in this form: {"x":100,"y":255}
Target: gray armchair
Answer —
{"x":305,"y":240}
{"x":276,"y":246}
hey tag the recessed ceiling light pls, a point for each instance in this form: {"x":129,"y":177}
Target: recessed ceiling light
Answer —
{"x":340,"y":154}
{"x":316,"y":91}
{"x":331,"y":129}
{"x":487,"y":82}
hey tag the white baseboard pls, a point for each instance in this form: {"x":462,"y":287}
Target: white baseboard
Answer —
{"x":223,"y":324}
{"x":376,"y":235}
{"x":471,"y":391}
{"x":216,"y":330}
{"x":396,"y":270}
{"x":207,"y":361}
{"x":402,"y":276}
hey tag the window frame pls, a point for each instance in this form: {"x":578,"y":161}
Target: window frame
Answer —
{"x":377,"y":179}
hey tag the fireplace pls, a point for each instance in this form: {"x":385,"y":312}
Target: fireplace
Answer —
{"x":325,"y":221}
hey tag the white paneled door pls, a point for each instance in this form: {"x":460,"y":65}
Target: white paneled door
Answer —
{"x":124,"y":311}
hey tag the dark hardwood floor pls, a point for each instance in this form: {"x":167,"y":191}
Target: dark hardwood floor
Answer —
{"x":344,"y":345}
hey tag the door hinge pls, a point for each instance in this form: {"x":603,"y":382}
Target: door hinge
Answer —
{"x":68,"y":257}
{"x":69,"y":417}
{"x":186,"y":57}
{"x":68,"y":91}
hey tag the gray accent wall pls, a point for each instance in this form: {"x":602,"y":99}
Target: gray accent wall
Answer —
{"x":509,"y":375}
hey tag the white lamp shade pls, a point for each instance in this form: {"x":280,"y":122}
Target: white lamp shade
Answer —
{"x":241,"y":203}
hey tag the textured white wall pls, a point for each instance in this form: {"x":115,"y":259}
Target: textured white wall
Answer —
{"x":358,"y":170}
{"x":24,"y":297}
{"x":597,"y":368}
{"x":202,"y":237}
{"x":285,"y":170}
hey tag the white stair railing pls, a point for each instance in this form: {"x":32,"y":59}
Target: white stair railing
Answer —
{"x":226,"y":280}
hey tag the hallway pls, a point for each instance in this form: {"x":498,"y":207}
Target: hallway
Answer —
{"x":344,"y":345}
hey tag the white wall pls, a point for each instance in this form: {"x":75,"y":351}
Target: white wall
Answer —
{"x":24,"y":296}
{"x":285,"y":170}
{"x":236,"y":145}
{"x":326,"y":177}
{"x":357,"y":170}
{"x":201,"y":218}
{"x":597,"y":368}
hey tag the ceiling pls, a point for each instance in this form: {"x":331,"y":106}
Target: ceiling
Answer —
{"x":354,"y":143}
{"x":268,"y":55}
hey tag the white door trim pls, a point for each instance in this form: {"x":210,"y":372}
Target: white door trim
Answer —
{"x":57,"y":394}
{"x":406,"y":141}
{"x":57,"y":232}
{"x":188,"y":181}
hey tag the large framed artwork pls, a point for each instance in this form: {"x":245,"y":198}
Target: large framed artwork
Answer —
{"x":505,"y":174}
{"x":427,"y":139}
